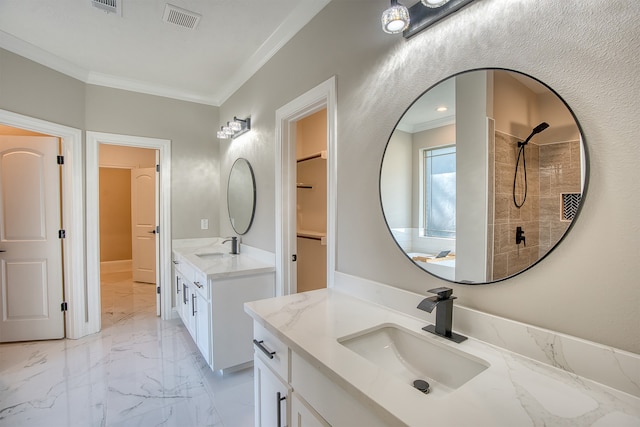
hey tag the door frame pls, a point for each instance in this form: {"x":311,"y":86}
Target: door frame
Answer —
{"x":93,"y":141}
{"x":321,"y":96}
{"x":74,"y":283}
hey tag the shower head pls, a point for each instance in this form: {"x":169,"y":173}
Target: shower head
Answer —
{"x":542,"y":126}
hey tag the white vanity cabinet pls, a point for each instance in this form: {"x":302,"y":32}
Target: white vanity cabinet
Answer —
{"x":272,"y":397}
{"x":302,"y":415}
{"x":193,"y":304}
{"x":210,"y":290}
{"x":201,"y":315}
{"x":271,"y":377}
{"x":277,"y":402}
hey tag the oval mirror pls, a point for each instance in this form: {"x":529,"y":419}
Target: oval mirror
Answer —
{"x":241,"y":196}
{"x":483,"y":176}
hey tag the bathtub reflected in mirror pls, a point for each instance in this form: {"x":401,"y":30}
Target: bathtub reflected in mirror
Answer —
{"x":483,"y":176}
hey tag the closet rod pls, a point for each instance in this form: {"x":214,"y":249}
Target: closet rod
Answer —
{"x":310,"y":237}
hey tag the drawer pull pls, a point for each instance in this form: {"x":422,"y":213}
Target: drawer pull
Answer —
{"x":176,"y":262}
{"x":263,"y":349}
{"x":279,"y":399}
{"x":198,"y":285}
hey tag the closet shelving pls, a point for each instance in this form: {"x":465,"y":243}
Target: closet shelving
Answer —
{"x":311,"y":234}
{"x":318,"y":155}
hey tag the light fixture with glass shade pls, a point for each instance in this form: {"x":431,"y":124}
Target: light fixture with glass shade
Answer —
{"x":395,"y":19}
{"x":434,"y":3}
{"x":409,"y":22}
{"x":234,"y":128}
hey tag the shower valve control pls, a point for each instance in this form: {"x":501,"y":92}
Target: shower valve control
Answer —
{"x":520,"y":236}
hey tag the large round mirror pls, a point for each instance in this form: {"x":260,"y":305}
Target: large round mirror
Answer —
{"x":241,"y":196}
{"x":483,"y":176}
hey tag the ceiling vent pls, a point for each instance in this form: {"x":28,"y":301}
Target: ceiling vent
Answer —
{"x":109,"y":6}
{"x":181,"y":17}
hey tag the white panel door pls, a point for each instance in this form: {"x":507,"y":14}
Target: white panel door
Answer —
{"x":31,"y":288}
{"x":143,"y":221}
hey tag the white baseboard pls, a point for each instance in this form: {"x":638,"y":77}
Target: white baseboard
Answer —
{"x":115,"y":266}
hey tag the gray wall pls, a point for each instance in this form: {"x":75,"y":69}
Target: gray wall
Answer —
{"x":191,"y":127}
{"x":587,"y":51}
{"x":33,"y":90}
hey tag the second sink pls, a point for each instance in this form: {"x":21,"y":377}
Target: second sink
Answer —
{"x":411,"y":357}
{"x":210,"y":255}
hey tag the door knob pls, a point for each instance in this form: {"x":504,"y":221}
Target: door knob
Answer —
{"x":152,"y":232}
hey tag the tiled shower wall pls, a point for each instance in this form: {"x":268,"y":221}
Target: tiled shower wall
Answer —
{"x":560,"y":172}
{"x":509,"y":258}
{"x":552,"y":169}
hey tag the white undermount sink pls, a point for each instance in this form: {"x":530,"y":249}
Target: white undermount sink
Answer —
{"x":410,"y":356}
{"x":210,"y":255}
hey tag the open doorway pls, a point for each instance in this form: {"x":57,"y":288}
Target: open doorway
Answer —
{"x":128,"y":240}
{"x":162,"y":230}
{"x":313,"y":226}
{"x":311,"y":201}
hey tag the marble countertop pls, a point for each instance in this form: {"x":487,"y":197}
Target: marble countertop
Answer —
{"x":513,"y":391}
{"x":219,"y":266}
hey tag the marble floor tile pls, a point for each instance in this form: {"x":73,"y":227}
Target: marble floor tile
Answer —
{"x":138,"y":371}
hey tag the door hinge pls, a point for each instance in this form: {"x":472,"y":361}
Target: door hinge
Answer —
{"x":157,"y":229}
{"x":157,"y":168}
{"x":158,"y":290}
{"x":62,"y":234}
{"x":64,"y":306}
{"x":61,"y":160}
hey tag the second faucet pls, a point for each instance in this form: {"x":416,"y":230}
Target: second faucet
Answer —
{"x":235,"y":246}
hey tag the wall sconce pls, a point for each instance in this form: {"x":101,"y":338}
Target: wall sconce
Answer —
{"x":235,"y":128}
{"x":420,"y":15}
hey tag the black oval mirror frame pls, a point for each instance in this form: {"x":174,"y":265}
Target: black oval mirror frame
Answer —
{"x":241,"y":196}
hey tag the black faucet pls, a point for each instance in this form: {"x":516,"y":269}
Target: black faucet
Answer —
{"x":235,"y":248}
{"x":444,"y":313}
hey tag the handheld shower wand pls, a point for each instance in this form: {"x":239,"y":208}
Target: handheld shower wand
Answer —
{"x":536,"y":130}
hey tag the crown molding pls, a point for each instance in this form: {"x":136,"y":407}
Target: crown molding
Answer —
{"x":297,"y":19}
{"x":293,"y":23}
{"x":41,"y":56}
{"x":432,"y":124}
{"x":132,"y":85}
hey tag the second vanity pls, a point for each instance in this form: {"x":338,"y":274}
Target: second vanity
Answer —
{"x":209,"y":288}
{"x":329,"y":358}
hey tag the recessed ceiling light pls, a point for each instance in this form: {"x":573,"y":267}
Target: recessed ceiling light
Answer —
{"x":441,"y":109}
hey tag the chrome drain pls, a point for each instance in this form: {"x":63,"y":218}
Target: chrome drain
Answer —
{"x":422,"y":385}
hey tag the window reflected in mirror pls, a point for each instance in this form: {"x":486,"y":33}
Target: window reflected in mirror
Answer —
{"x":483,"y":176}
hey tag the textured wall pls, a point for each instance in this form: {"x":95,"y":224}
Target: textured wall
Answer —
{"x":587,"y":51}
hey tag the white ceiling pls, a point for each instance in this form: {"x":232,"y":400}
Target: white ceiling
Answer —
{"x":139,"y":51}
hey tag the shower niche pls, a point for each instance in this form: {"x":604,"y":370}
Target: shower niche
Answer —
{"x":511,"y":191}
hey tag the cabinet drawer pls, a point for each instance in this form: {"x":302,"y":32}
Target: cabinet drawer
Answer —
{"x":330,"y":401}
{"x":201,"y":284}
{"x":273,"y":352}
{"x":183,"y":267}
